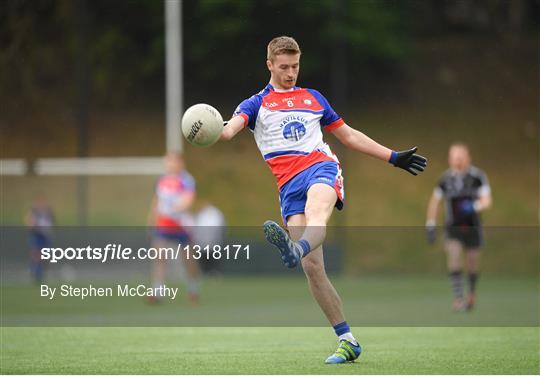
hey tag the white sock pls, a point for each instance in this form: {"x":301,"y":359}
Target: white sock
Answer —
{"x":349,"y":337}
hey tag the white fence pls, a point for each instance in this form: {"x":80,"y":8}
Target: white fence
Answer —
{"x":83,"y":166}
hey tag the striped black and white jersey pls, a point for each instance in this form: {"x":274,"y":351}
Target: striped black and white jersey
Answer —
{"x":459,"y":191}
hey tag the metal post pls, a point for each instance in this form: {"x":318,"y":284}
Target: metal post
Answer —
{"x":83,"y":97}
{"x":339,"y":99}
{"x":173,"y":76}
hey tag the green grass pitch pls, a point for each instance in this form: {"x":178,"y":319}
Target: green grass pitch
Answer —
{"x":266,"y":351}
{"x":271,"y":325}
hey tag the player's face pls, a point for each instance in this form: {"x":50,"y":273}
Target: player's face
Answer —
{"x":41,"y":201}
{"x":284,"y":70}
{"x":459,"y":158}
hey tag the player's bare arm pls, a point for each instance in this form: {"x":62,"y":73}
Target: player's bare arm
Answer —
{"x":483,"y":202}
{"x":356,"y":140}
{"x":431,"y":217}
{"x":152,"y":213}
{"x":28,"y":220}
{"x":433,"y":208}
{"x":232,"y":127}
{"x":185,"y":201}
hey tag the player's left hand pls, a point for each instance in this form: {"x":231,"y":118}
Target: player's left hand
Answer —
{"x":409,"y":161}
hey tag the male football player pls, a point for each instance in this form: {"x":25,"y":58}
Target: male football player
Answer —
{"x":466,"y":192}
{"x":40,"y":221}
{"x":174,"y":196}
{"x":286,"y":121}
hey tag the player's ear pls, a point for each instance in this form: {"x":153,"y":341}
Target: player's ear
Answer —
{"x":269,"y":64}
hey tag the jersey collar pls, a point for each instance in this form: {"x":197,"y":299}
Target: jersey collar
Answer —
{"x":271,"y":88}
{"x":460,"y":174}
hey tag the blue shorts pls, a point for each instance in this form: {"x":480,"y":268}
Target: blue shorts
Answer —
{"x":39,"y":240}
{"x":180,"y":237}
{"x":293,"y":195}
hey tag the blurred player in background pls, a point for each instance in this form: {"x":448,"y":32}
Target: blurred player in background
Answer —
{"x":466,"y":192}
{"x":40,"y":221}
{"x":173,"y":198}
{"x":286,"y":121}
{"x":209,"y":230}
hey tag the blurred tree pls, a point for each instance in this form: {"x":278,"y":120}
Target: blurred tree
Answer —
{"x":225,"y":41}
{"x":34,"y":49}
{"x":40,"y":47}
{"x":126,"y":42}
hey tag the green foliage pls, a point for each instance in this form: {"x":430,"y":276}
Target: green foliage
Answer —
{"x":35,"y":46}
{"x":124,"y":47}
{"x":41,"y":42}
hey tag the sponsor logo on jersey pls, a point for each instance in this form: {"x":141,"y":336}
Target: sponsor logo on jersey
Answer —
{"x":294,"y":127}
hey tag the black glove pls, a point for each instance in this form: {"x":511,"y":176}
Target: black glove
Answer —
{"x":407,"y":160}
{"x":431,"y":234}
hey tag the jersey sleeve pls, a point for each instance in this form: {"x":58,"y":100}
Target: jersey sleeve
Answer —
{"x":485,"y":188}
{"x":188,"y":182}
{"x":330,"y":119}
{"x":440,"y":188}
{"x":249,"y":110}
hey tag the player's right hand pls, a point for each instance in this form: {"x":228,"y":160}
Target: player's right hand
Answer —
{"x":431,"y":234}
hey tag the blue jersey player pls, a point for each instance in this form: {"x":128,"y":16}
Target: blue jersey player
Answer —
{"x":40,"y":221}
{"x":287,"y":122}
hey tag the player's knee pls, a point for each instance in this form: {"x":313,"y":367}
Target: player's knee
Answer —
{"x":313,"y":268}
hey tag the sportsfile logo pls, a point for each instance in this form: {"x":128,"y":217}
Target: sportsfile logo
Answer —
{"x":195,"y":128}
{"x":118,"y":252}
{"x":109,"y":252}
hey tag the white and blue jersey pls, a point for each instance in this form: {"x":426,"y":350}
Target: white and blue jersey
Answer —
{"x":287,"y":126}
{"x":171,"y":223}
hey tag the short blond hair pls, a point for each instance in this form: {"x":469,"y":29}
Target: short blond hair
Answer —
{"x":282,"y":45}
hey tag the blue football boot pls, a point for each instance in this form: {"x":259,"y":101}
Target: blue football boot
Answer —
{"x":291,"y":253}
{"x":346,"y":352}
